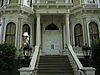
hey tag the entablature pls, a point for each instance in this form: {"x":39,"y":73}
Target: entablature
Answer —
{"x":55,"y":5}
{"x":86,"y":8}
{"x":56,"y":11}
{"x":16,"y":8}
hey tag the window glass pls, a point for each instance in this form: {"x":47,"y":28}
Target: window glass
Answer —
{"x":94,"y":33}
{"x":78,"y":32}
{"x":10,"y":33}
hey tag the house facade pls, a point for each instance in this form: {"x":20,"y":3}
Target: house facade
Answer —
{"x":50,"y":24}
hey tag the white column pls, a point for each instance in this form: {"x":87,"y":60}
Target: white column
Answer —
{"x":38,"y":31}
{"x":64,"y":33}
{"x":67,"y":29}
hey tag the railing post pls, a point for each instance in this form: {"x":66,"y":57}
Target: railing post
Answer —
{"x":89,"y":70}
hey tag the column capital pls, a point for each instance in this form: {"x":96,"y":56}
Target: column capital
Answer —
{"x":38,"y":15}
{"x":67,"y":15}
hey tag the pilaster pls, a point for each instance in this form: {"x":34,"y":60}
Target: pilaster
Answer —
{"x":3,"y":30}
{"x":88,"y":34}
{"x":20,"y":32}
{"x":86,"y":31}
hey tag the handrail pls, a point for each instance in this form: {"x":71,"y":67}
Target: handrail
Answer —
{"x":76,"y":60}
{"x":32,"y":67}
{"x":34,"y":58}
{"x":80,"y":66}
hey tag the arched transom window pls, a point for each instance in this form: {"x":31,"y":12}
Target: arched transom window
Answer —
{"x":94,"y":33}
{"x":10,"y":33}
{"x":78,"y":32}
{"x":52,"y":27}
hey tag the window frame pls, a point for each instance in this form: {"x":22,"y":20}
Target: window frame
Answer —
{"x":93,"y":35}
{"x":10,"y":33}
{"x":78,"y":37}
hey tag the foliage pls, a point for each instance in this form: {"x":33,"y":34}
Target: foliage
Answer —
{"x":96,"y":54}
{"x":7,"y":55}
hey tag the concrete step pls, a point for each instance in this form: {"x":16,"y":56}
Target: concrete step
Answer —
{"x":53,"y":60}
{"x":54,"y":65}
{"x":51,"y":66}
{"x":55,"y":74}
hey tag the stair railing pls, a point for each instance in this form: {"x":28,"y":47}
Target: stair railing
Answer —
{"x":76,"y":64}
{"x":31,"y":70}
{"x":74,"y":60}
{"x":82,"y":72}
{"x":34,"y":62}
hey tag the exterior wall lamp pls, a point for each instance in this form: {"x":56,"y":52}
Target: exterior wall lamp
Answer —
{"x":27,"y":49}
{"x":86,"y":53}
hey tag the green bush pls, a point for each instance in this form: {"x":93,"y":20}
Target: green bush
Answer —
{"x":96,"y":54}
{"x":7,"y":55}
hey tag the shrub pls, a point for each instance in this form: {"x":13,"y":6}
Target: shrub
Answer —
{"x":7,"y":55}
{"x":96,"y":54}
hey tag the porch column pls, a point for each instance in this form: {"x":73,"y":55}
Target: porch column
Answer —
{"x":67,"y":29}
{"x":38,"y":31}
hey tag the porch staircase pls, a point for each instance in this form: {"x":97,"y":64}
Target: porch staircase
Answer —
{"x":54,"y":65}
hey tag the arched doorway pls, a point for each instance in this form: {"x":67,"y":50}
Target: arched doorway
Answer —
{"x":52,"y":40}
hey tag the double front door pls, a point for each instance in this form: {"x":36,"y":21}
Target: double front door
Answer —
{"x":52,"y":42}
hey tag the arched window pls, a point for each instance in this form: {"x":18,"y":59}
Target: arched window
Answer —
{"x":52,"y":27}
{"x":78,"y":32}
{"x":94,"y":33}
{"x":26,"y":29}
{"x":10,"y":33}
